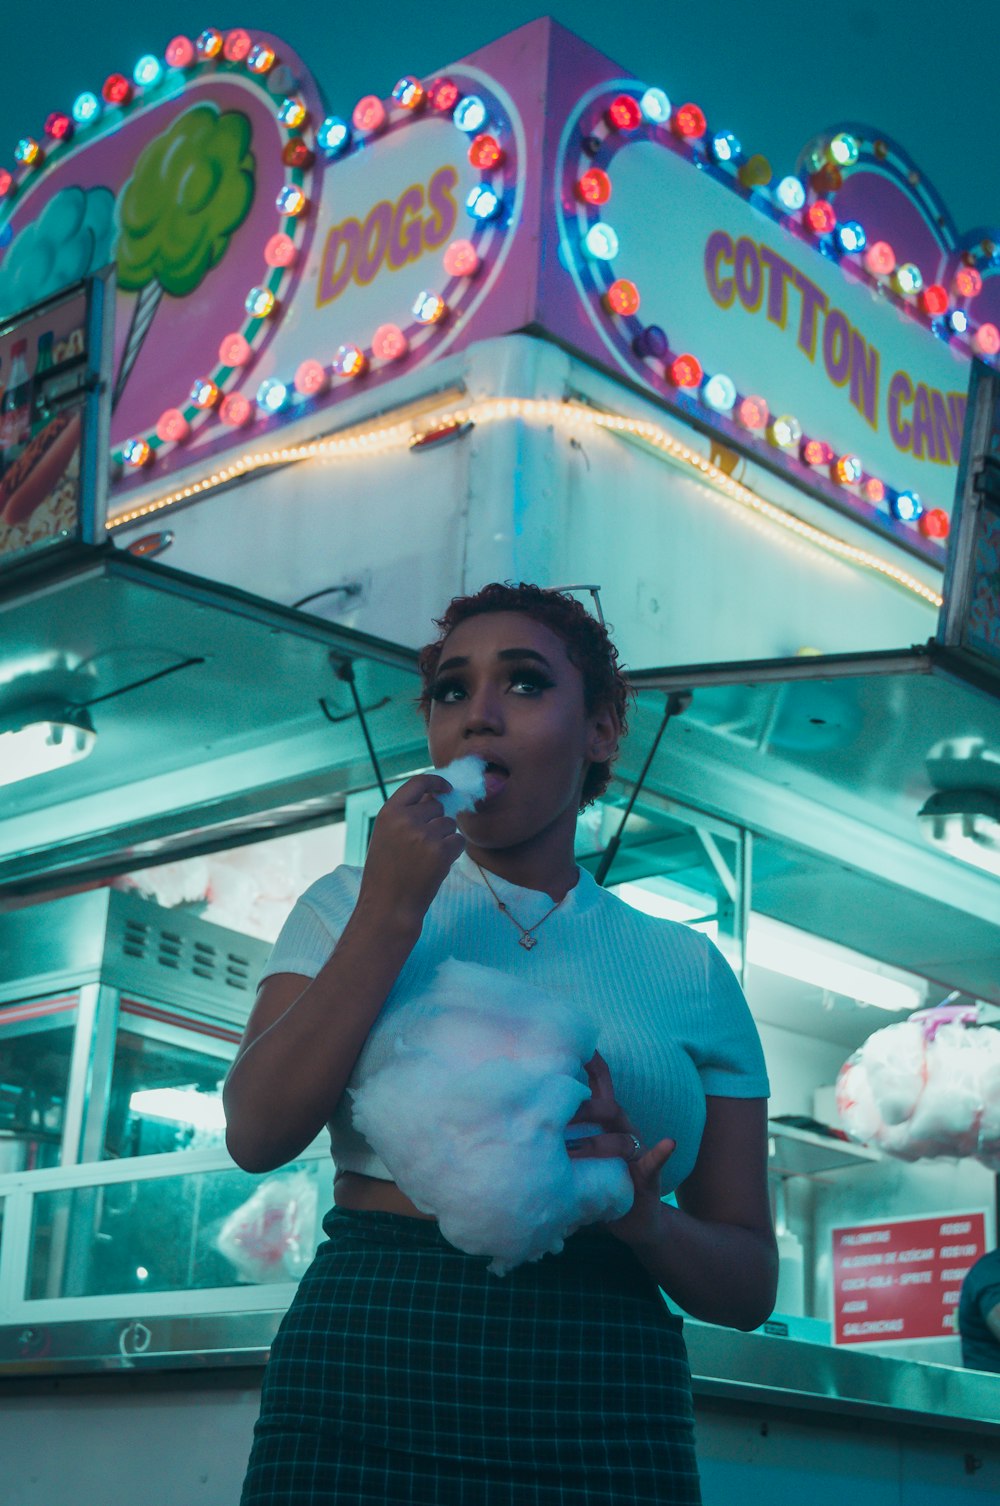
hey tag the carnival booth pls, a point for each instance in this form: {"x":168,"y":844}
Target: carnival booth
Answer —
{"x":280,"y":376}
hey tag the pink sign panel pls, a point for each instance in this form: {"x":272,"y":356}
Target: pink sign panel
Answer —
{"x":277,"y":255}
{"x":901,"y":1279}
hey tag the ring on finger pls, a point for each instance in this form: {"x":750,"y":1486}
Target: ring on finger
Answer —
{"x":636,"y":1148}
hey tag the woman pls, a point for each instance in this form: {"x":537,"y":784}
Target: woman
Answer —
{"x":404,"y":1372}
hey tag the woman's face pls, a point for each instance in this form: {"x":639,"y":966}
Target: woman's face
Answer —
{"x":506,"y":690}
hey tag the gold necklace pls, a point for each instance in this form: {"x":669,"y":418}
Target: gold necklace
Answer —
{"x":527,"y":938}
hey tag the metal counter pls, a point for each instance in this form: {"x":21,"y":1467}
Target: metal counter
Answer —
{"x":755,"y":1368}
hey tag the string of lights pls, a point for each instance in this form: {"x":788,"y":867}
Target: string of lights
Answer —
{"x":571,"y":417}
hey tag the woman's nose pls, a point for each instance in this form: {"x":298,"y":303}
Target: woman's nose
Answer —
{"x":484,"y":711}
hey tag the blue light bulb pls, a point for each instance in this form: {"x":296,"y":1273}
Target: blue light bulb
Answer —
{"x":725,"y":147}
{"x":470,"y":114}
{"x":272,"y":395}
{"x":333,"y":136}
{"x":656,"y":107}
{"x":147,"y":71}
{"x":601,"y":242}
{"x":906,"y":506}
{"x":790,"y":194}
{"x":86,"y":107}
{"x":483,"y":203}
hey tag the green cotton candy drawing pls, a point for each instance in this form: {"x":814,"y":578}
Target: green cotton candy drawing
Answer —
{"x":192,"y":187}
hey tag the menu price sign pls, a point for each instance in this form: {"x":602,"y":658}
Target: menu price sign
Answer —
{"x":901,"y":1278}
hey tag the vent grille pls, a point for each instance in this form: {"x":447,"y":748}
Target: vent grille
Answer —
{"x":173,"y":950}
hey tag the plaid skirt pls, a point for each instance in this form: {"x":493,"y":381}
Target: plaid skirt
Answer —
{"x":405,"y":1373}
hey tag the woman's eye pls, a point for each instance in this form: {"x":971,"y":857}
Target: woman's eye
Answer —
{"x":531,"y":680}
{"x":446,"y":691}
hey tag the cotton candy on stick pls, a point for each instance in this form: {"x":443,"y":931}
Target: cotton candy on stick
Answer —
{"x":467,"y":777}
{"x":470,"y":1115}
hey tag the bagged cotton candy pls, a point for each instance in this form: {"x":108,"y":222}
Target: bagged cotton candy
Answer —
{"x":468,"y":784}
{"x":928,"y":1087}
{"x":470,"y":1116}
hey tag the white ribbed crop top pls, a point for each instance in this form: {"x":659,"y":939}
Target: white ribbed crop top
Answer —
{"x":673,"y":1022}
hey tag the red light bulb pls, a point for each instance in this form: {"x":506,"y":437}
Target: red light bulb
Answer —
{"x":236,"y":48}
{"x":117,"y":90}
{"x":816,"y":452}
{"x":295,"y":153}
{"x":369,"y":113}
{"x":685,"y":371}
{"x":820,"y":217}
{"x":934,"y":299}
{"x":179,"y":52}
{"x":280,"y":250}
{"x":753,"y":412}
{"x":389,"y":343}
{"x":59,"y":126}
{"x":172,"y":426}
{"x":934,"y":523}
{"x":234,"y":350}
{"x":967,"y":282}
{"x":622,"y":297}
{"x":485,"y":153}
{"x":594,"y":187}
{"x":689,"y":121}
{"x":443,"y":95}
{"x":236,"y":410}
{"x":461,"y":259}
{"x":987,"y":340}
{"x":880,"y":259}
{"x":624,"y":113}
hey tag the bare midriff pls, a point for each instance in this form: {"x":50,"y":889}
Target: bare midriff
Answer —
{"x":351,"y":1189}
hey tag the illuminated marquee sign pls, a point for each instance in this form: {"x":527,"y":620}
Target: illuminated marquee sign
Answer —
{"x":769,"y":314}
{"x":274,"y":257}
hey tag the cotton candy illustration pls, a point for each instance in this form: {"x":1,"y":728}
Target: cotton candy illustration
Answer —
{"x":470,"y":1116}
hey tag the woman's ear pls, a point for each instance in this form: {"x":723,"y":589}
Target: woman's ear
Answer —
{"x":604,"y":734}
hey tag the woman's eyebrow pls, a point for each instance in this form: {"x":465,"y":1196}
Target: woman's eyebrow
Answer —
{"x":503,"y":653}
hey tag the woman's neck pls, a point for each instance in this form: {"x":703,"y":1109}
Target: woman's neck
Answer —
{"x":550,"y":872}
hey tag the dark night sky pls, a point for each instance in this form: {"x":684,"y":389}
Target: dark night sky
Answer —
{"x":774,"y":73}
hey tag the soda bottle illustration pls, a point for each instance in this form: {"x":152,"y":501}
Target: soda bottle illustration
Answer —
{"x":15,"y":415}
{"x":40,"y":413}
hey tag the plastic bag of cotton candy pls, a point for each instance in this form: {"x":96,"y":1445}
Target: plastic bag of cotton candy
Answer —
{"x":927,"y":1087}
{"x":470,"y":1116}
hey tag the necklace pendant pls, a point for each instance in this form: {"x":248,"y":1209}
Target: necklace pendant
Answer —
{"x":528,"y":940}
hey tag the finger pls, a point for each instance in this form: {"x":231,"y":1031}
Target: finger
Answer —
{"x":602,"y":1147}
{"x":599,"y":1075}
{"x":420,"y":785}
{"x":651,"y":1162}
{"x":441,"y":827}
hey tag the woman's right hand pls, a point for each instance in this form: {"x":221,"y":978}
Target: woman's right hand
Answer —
{"x":413,"y":845}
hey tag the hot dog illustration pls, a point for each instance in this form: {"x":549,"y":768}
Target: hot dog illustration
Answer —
{"x":39,"y":468}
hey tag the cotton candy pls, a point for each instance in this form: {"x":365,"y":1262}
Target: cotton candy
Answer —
{"x":927,"y":1087}
{"x":470,"y":1116}
{"x":467,"y":777}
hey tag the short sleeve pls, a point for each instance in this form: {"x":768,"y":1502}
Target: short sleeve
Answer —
{"x":732,"y":1063}
{"x":315,"y":925}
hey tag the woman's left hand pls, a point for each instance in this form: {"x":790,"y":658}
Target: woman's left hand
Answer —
{"x":617,"y":1138}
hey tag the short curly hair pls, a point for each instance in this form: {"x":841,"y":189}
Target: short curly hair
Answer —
{"x":588,"y":646}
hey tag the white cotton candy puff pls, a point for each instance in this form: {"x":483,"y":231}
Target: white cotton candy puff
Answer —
{"x":920,"y":1095}
{"x":467,"y":777}
{"x":470,"y":1114}
{"x":894,"y":1058}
